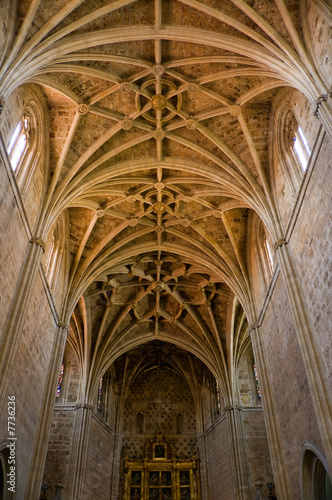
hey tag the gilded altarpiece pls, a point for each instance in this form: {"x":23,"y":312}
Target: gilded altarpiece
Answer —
{"x":160,"y":475}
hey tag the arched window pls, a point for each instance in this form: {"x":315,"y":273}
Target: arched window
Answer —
{"x":58,"y":391}
{"x":25,"y":145}
{"x":295,"y":146}
{"x":19,"y":143}
{"x":316,"y":482}
{"x":264,"y":252}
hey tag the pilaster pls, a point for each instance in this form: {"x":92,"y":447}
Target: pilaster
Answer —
{"x":238,"y":457}
{"x":79,"y":452}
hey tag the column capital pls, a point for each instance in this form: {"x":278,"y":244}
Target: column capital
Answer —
{"x":320,"y":100}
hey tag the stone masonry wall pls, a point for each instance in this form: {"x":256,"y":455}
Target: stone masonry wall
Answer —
{"x":13,"y":244}
{"x":256,"y":448}
{"x":289,"y":385}
{"x":218,"y":463}
{"x":98,"y":478}
{"x":160,"y":396}
{"x":311,"y":245}
{"x":28,"y":381}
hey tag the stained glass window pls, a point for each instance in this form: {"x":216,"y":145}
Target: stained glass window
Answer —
{"x":218,"y":397}
{"x":257,"y":382}
{"x":60,"y":380}
{"x":100,"y":390}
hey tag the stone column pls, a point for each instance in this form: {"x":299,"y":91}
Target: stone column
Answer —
{"x":203,"y":467}
{"x":79,"y":452}
{"x":116,"y":465}
{"x":238,"y":456}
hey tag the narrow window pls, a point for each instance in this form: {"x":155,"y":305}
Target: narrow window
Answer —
{"x":301,"y":148}
{"x":100,"y":392}
{"x":60,"y":380}
{"x":19,"y":143}
{"x":257,"y":382}
{"x":269,"y":254}
{"x":218,"y":397}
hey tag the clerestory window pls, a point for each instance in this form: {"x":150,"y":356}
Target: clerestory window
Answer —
{"x":258,"y":389}
{"x":58,"y":390}
{"x":19,"y":143}
{"x":301,"y":148}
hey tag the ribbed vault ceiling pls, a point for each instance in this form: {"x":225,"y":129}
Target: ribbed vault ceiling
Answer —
{"x":159,"y":119}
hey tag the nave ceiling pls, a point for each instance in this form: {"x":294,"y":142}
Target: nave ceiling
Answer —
{"x":159,"y":115}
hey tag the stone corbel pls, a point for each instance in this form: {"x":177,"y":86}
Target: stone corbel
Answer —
{"x":84,"y":406}
{"x":322,"y":98}
{"x":280,"y":243}
{"x":39,"y":242}
{"x":232,"y":407}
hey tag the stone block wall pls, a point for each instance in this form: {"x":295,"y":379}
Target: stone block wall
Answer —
{"x":100,"y":456}
{"x":218,"y":464}
{"x":311,"y":245}
{"x":13,"y":243}
{"x":289,"y":385}
{"x":56,"y":471}
{"x":256,"y":448}
{"x":159,"y":396}
{"x":27,"y":381}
